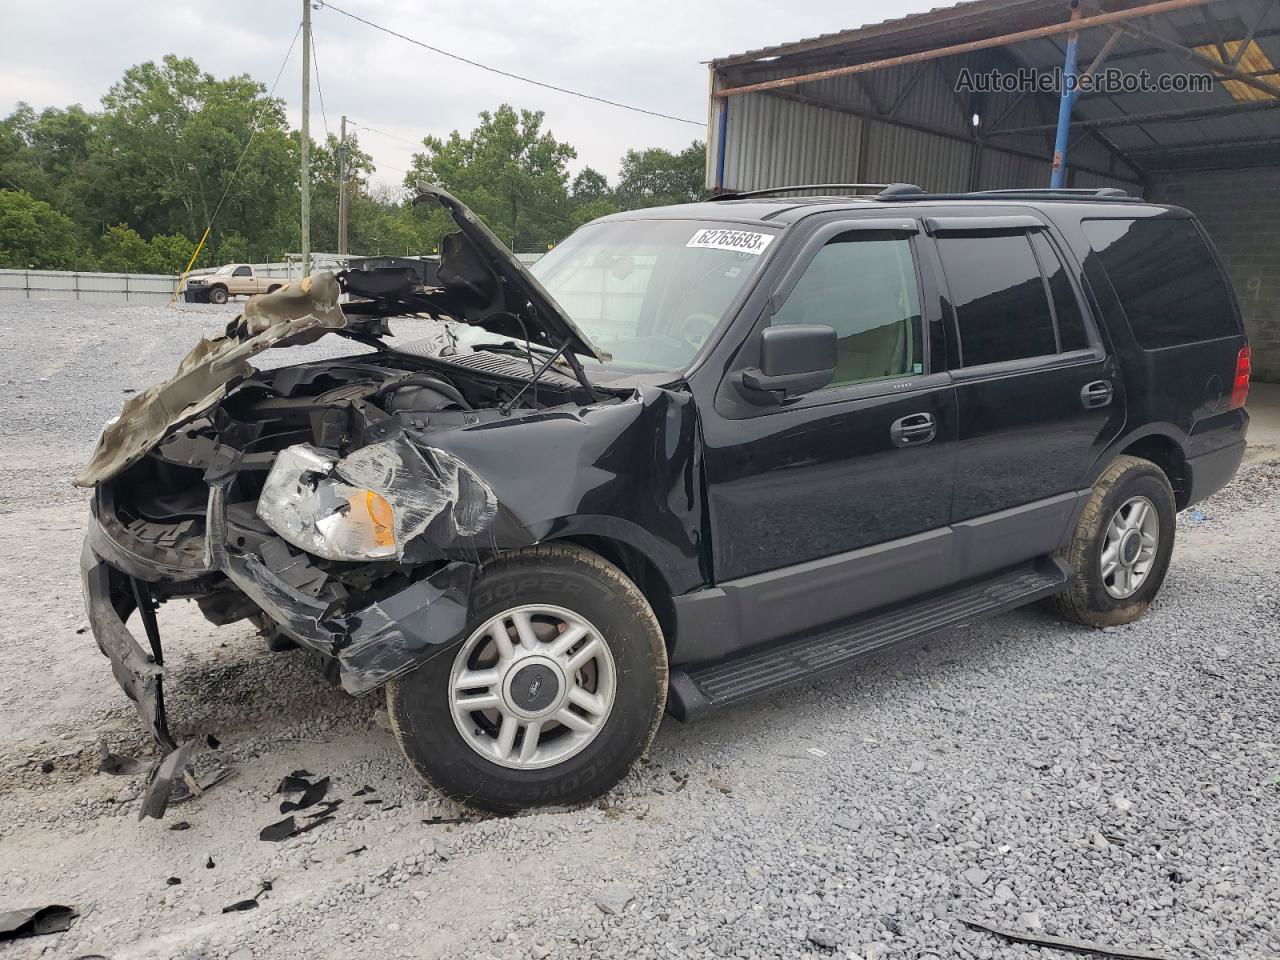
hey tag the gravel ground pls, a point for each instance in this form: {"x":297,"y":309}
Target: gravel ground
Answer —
{"x":1117,"y":786}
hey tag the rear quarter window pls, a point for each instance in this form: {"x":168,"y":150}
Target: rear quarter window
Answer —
{"x":1166,"y":279}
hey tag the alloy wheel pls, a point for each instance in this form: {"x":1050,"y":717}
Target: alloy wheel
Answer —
{"x":532,"y":686}
{"x":1129,"y":547}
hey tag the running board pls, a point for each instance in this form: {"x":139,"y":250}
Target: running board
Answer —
{"x":696,"y":689}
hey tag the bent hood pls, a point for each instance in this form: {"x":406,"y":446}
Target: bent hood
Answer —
{"x":494,"y":288}
{"x":297,"y":314}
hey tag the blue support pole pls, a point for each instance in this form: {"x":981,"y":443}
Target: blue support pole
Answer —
{"x":720,"y":147}
{"x":1058,"y":175}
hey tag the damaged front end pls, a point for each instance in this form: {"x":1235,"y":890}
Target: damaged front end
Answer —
{"x":311,"y":499}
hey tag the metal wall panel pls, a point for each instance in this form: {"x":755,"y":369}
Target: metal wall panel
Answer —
{"x":773,"y":142}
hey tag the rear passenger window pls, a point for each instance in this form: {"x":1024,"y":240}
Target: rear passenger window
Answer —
{"x":999,"y":297}
{"x":864,"y":285}
{"x":1165,"y":278}
{"x":1066,"y":308}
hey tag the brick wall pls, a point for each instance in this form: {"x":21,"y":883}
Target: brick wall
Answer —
{"x":1241,"y":211}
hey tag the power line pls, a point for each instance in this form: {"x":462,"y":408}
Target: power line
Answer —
{"x":315,"y":60}
{"x":389,"y":136}
{"x":507,"y":73}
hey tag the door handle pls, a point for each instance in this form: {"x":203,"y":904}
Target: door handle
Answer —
{"x":1096,"y":394}
{"x":913,"y":430}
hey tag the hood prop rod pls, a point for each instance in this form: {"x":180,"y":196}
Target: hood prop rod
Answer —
{"x":506,"y":408}
{"x":562,"y":351}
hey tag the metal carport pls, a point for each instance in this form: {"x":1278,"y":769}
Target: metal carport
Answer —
{"x":882,"y":103}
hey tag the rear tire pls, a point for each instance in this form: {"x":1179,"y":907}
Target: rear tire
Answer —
{"x":217,"y":294}
{"x":611,"y":693}
{"x":1122,"y":546}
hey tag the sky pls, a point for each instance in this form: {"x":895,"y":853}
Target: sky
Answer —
{"x":650,"y":53}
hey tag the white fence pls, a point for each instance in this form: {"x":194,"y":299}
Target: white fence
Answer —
{"x":16,"y":285}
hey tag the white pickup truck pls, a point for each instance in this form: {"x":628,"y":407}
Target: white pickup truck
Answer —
{"x":233,"y":280}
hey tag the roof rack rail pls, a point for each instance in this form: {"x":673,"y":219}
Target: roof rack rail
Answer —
{"x":907,"y":191}
{"x":773,"y":191}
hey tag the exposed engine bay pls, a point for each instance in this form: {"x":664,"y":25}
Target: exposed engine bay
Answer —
{"x":312,"y":499}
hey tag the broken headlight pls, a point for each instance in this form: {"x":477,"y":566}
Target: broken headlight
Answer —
{"x":322,"y":515}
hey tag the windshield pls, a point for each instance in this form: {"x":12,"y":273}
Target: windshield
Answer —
{"x":223,"y":271}
{"x":650,"y":292}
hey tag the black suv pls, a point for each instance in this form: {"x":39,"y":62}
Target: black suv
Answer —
{"x":695,"y":453}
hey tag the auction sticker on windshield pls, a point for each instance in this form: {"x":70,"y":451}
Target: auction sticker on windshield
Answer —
{"x":740,"y":241}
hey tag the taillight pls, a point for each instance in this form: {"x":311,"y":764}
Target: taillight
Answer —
{"x":1240,"y":388}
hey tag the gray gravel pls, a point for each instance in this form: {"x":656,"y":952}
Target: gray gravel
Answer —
{"x":1117,"y":785}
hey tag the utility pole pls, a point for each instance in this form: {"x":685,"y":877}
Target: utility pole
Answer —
{"x":342,"y":189}
{"x":306,"y":138}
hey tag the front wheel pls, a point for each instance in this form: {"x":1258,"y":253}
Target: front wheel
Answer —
{"x":218,"y":295}
{"x":1122,"y":545}
{"x":557,"y":687}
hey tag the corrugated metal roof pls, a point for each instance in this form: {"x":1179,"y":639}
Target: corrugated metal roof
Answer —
{"x":1235,"y":125}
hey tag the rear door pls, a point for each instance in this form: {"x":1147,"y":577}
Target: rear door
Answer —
{"x":1038,"y":397}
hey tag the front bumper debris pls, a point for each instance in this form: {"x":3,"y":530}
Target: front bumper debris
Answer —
{"x":371,"y":645}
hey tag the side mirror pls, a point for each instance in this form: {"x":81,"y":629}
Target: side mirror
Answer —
{"x":794,"y":359}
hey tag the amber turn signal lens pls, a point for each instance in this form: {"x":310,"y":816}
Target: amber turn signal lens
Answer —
{"x":383,"y":519}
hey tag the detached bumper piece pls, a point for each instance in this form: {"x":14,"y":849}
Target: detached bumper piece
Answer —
{"x":196,"y":294}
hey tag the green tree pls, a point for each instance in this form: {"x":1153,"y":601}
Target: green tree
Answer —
{"x":168,"y":144}
{"x":324,"y":188}
{"x":122,"y":250}
{"x":168,"y":253}
{"x":33,"y":234}
{"x":511,"y":172}
{"x":49,"y":155}
{"x":653,"y":177}
{"x":232,"y":248}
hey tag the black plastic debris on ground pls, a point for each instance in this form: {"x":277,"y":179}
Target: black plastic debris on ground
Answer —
{"x":173,"y":881}
{"x":46,"y":766}
{"x":212,"y":742}
{"x":288,"y":827}
{"x":311,"y":795}
{"x":325,"y":808}
{"x":292,"y":784}
{"x":116,"y":764}
{"x":364,"y":791}
{"x":36,"y":921}
{"x":250,"y":904}
{"x":180,"y":825}
{"x":209,"y":864}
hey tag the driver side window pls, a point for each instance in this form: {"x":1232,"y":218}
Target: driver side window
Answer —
{"x":863,"y":284}
{"x":243,"y":272}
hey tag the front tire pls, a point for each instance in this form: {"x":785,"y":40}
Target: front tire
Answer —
{"x":1122,"y":546}
{"x":558,"y":685}
{"x":218,"y":295}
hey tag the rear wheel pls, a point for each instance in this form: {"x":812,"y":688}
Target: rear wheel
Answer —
{"x":1122,"y":545}
{"x":217,"y":294}
{"x":557,"y":687}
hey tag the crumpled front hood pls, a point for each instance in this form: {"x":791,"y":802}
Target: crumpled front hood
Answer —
{"x":297,"y":314}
